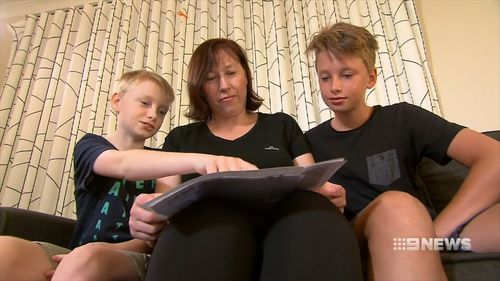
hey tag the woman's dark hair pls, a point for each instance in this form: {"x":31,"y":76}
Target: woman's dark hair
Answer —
{"x":202,"y":61}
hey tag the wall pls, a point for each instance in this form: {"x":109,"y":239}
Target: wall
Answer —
{"x":463,"y":47}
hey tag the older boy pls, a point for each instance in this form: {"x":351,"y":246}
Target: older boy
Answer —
{"x":383,"y":146}
{"x":110,"y":172}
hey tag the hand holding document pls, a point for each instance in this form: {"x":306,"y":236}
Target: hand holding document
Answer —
{"x":264,"y":186}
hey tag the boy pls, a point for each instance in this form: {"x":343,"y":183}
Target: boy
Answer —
{"x":383,"y":146}
{"x":110,"y":172}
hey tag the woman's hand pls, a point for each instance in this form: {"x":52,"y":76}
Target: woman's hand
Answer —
{"x":145,"y":224}
{"x":336,"y":194}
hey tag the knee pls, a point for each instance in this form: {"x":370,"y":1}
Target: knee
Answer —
{"x":17,"y":255}
{"x":9,"y":248}
{"x":396,"y":207}
{"x":83,"y":261}
{"x":15,"y":250}
{"x":309,"y":210}
{"x":11,"y":254}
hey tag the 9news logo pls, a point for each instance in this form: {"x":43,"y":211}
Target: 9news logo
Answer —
{"x":433,"y":244}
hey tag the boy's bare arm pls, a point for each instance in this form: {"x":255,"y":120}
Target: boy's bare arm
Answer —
{"x":138,"y":164}
{"x":135,"y":245}
{"x":480,"y":190}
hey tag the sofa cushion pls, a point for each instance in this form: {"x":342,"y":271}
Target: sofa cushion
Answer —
{"x":471,"y":266}
{"x":440,"y":185}
{"x":36,"y":226}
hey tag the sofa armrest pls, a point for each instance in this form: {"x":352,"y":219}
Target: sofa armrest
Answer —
{"x":441,"y":182}
{"x":36,"y":226}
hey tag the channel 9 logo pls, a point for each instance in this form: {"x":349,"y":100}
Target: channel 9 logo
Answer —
{"x":433,"y":244}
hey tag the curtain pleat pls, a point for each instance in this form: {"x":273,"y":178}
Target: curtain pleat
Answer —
{"x":64,"y":66}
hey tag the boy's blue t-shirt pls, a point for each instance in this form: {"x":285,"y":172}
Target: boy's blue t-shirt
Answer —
{"x":102,"y":203}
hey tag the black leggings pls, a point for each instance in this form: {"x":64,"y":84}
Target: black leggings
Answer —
{"x":304,"y":237}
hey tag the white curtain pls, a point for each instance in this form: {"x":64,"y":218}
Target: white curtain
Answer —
{"x":65,"y":64}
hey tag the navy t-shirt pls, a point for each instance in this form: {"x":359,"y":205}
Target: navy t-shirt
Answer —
{"x":383,"y":153}
{"x":102,"y":203}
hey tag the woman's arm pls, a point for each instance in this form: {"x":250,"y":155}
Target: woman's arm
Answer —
{"x":135,"y":245}
{"x":304,"y":160}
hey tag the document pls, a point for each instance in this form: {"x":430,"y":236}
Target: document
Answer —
{"x":259,"y":187}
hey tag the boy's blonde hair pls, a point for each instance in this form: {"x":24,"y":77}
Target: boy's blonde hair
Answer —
{"x":344,"y":40}
{"x":133,"y":77}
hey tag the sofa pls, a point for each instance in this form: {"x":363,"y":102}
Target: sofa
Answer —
{"x":438,"y":185}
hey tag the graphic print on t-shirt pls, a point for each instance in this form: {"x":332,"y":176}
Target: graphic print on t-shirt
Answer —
{"x":383,"y":168}
{"x":112,"y":222}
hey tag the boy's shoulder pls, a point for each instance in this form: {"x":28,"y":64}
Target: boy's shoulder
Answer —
{"x":87,"y":149}
{"x":380,"y":115}
{"x":92,"y":142}
{"x":321,"y":127}
{"x":90,"y":137}
{"x":405,"y":112}
{"x":399,"y":107}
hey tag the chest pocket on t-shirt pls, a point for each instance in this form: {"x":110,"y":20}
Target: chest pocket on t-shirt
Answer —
{"x":383,"y":168}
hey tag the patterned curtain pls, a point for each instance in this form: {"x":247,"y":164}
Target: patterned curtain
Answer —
{"x":65,"y":64}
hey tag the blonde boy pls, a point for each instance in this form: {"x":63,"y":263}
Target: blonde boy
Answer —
{"x":383,"y":146}
{"x":110,"y":172}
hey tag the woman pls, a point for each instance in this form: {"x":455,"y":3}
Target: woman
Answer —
{"x":302,"y":237}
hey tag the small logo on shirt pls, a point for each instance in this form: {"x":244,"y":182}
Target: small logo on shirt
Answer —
{"x":271,"y":148}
